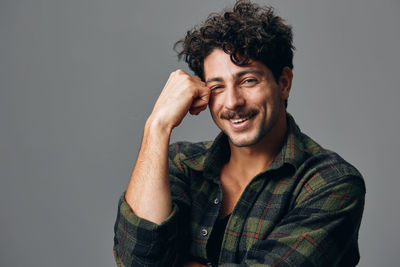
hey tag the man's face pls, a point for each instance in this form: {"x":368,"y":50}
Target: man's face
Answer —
{"x":245,"y":101}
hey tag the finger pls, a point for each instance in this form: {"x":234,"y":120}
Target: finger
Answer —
{"x":197,"y":110}
{"x":199,"y":104}
{"x":202,"y":101}
{"x":203,"y":95}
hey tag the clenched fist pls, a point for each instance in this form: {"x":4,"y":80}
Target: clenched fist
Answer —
{"x":181,"y":94}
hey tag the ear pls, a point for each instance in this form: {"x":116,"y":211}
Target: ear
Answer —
{"x":285,"y":82}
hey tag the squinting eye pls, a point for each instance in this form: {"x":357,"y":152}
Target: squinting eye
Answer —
{"x":215,"y":88}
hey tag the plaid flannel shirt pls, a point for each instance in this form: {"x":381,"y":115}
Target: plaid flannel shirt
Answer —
{"x":303,"y":210}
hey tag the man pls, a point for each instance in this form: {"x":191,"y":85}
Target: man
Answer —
{"x":261,"y":194}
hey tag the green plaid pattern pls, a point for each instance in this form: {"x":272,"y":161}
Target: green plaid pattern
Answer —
{"x":304,"y":210}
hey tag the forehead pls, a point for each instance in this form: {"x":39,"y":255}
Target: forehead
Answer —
{"x":219,"y":66}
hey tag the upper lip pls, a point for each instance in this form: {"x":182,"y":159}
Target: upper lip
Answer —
{"x":240,"y":115}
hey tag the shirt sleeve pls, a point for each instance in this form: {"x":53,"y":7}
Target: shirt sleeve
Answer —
{"x":139,"y":242}
{"x":321,"y":229}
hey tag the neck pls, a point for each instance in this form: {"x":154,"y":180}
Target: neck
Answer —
{"x":257,"y":157}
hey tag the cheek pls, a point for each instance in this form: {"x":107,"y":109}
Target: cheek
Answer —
{"x":214,"y":103}
{"x":273,"y":97}
{"x":261,"y":98}
{"x":212,"y":107}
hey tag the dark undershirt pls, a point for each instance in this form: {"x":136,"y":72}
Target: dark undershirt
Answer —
{"x":215,"y":241}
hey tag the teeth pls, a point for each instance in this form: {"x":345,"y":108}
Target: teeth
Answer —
{"x":238,"y":120}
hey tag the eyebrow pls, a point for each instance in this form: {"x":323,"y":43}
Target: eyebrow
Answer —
{"x":237,"y":75}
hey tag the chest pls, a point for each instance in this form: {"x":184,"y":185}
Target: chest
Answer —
{"x":231,"y":192}
{"x":255,"y":210}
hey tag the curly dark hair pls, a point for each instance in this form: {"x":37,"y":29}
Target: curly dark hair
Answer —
{"x":246,"y":32}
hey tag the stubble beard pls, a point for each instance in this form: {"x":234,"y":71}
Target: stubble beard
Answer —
{"x":262,"y":129}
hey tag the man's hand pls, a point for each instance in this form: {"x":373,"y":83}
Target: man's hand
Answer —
{"x":181,"y":94}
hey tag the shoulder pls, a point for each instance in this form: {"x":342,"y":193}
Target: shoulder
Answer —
{"x":190,"y":155}
{"x":328,"y":167}
{"x":326,"y":172}
{"x":324,"y":165}
{"x":185,"y":150}
{"x":181,"y":151}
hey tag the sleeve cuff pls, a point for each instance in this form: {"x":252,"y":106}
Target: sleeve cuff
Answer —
{"x":140,"y":235}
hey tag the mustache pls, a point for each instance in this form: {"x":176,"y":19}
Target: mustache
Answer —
{"x":242,"y":113}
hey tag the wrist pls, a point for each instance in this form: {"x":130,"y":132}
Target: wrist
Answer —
{"x":158,"y":127}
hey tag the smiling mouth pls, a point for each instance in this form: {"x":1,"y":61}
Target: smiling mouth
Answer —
{"x":242,"y":119}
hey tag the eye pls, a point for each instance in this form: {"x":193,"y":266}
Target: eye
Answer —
{"x":250,"y":81}
{"x":216,"y":87}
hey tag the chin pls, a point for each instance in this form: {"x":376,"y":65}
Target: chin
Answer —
{"x":244,"y":141}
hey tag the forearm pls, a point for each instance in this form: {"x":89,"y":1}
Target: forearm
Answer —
{"x":148,"y":192}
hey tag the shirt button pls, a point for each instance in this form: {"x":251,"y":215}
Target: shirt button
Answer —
{"x":204,"y":232}
{"x":209,"y":264}
{"x":216,"y":201}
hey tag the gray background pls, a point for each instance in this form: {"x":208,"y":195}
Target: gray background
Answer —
{"x":79,"y":77}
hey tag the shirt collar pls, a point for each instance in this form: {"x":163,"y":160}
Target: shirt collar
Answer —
{"x":210,"y":161}
{"x":293,"y":150}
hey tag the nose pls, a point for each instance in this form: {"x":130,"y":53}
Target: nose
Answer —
{"x":234,"y":98}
